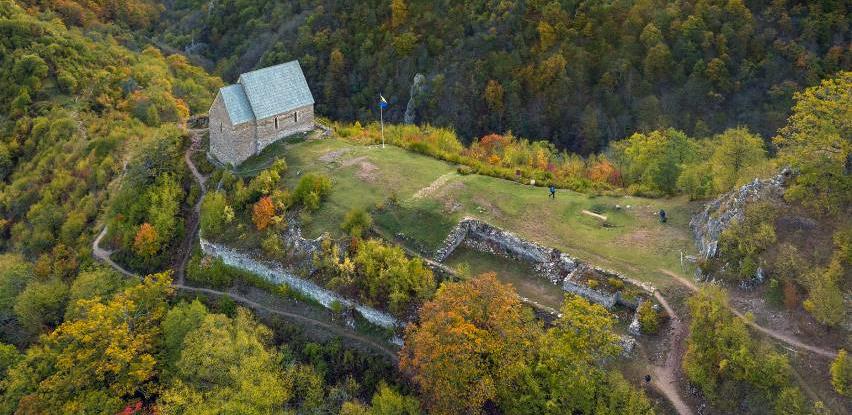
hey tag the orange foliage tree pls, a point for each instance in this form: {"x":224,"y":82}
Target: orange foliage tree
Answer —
{"x":145,"y":243}
{"x":474,"y":339}
{"x":262,"y":213}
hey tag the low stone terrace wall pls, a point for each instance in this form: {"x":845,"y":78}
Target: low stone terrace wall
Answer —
{"x":276,"y":273}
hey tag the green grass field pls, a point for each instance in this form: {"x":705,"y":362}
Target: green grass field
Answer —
{"x":430,"y":198}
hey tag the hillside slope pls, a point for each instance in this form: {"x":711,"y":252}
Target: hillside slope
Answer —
{"x":578,"y":73}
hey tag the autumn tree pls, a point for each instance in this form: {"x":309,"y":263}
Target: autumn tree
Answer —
{"x":494,"y":96}
{"x":262,"y":213}
{"x":145,"y":243}
{"x":93,"y":364}
{"x":472,"y":342}
{"x":399,"y":13}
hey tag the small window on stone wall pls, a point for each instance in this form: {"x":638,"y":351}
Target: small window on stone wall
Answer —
{"x":295,"y":116}
{"x":276,"y":123}
{"x":221,"y":126}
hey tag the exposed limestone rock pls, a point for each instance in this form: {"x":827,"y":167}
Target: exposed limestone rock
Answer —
{"x":417,"y":89}
{"x":718,"y":214}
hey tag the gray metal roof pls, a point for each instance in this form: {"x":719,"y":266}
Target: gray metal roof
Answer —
{"x":276,"y":89}
{"x":237,"y":104}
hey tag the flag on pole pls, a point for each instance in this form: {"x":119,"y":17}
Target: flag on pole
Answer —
{"x":383,"y":104}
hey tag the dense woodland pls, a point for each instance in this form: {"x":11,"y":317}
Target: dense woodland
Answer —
{"x":663,"y":98}
{"x":577,"y":73}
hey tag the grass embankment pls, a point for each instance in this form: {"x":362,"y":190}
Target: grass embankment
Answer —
{"x":430,"y":198}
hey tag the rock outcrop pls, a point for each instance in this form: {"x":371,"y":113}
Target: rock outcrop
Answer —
{"x":718,"y":214}
{"x":417,"y":89}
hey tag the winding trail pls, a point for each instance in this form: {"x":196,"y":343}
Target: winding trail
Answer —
{"x":103,"y":255}
{"x":193,"y":223}
{"x":775,"y":334}
{"x":667,"y":375}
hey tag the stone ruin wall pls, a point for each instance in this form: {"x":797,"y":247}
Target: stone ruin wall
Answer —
{"x":555,"y":266}
{"x":275,"y":273}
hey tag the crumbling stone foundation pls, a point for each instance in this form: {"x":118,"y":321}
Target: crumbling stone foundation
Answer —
{"x":555,"y":266}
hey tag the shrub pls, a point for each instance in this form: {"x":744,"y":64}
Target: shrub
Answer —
{"x":841,"y":373}
{"x":356,"y":222}
{"x":336,"y":307}
{"x":211,"y":271}
{"x":465,"y":170}
{"x":310,"y":191}
{"x":592,"y":283}
{"x":215,"y":213}
{"x":615,"y":283}
{"x":387,"y":276}
{"x":774,"y":293}
{"x":273,"y":246}
{"x":649,"y":319}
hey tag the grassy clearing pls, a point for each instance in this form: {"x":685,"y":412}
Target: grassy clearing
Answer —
{"x":632,"y":241}
{"x":363,"y":176}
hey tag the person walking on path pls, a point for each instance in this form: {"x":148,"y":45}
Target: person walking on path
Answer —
{"x":552,"y":189}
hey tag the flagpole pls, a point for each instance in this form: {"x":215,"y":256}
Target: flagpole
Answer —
{"x":382,"y":121}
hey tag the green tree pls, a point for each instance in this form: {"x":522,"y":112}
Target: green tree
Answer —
{"x":227,"y":366}
{"x":178,"y":322}
{"x":817,"y":142}
{"x":567,"y":375}
{"x":100,"y":284}
{"x":387,"y":276}
{"x":723,"y":360}
{"x":15,"y":274}
{"x":649,"y":319}
{"x":9,"y":356}
{"x":41,"y":305}
{"x":736,"y":151}
{"x":654,"y":161}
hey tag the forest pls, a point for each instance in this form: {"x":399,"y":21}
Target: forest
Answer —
{"x":643,"y":99}
{"x":576,"y":73}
